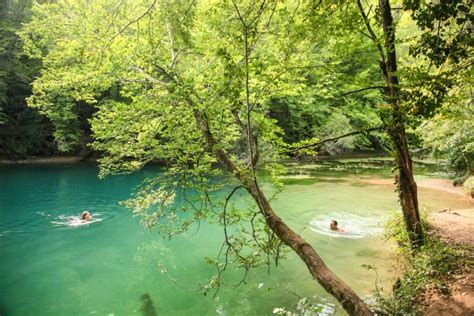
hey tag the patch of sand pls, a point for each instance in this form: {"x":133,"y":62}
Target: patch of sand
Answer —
{"x":436,"y":184}
{"x":455,"y":227}
{"x":441,"y":184}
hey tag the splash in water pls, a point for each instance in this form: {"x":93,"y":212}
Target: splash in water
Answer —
{"x":353,"y":226}
{"x":74,"y":221}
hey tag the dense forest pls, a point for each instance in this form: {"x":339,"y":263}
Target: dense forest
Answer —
{"x":235,"y":88}
{"x":338,"y":90}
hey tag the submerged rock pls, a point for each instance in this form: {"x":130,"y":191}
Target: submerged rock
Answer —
{"x":147,"y":308}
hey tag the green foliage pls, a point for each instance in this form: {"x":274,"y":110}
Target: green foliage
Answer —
{"x":450,"y":134}
{"x":341,"y":65}
{"x":430,"y":267}
{"x":156,"y":80}
{"x":438,"y":96}
{"x":22,"y":130}
{"x":446,"y":29}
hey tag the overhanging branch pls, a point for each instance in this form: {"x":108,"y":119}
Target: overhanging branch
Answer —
{"x":363,"y":89}
{"x":332,"y":139}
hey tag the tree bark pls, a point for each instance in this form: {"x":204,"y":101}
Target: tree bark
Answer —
{"x":407,"y":188}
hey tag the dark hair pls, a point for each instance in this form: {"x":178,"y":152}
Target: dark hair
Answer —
{"x":83,"y":214}
{"x":334,"y":222}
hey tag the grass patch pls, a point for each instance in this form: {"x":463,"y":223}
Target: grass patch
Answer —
{"x":429,"y":268}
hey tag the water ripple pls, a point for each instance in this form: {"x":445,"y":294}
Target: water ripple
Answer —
{"x":353,"y":226}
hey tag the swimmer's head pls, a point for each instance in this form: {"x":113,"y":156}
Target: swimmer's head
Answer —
{"x":85,"y":215}
{"x":333,"y":225}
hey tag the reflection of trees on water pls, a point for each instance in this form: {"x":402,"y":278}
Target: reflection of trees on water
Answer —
{"x":156,"y":256}
{"x":154,"y":253}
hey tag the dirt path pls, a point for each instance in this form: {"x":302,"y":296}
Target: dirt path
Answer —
{"x":455,"y":226}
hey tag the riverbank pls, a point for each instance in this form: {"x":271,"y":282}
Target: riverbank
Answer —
{"x":453,"y":294}
{"x":436,"y":184}
{"x":92,"y":157}
{"x":455,"y":228}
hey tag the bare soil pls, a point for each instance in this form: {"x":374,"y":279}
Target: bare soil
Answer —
{"x":437,"y":184}
{"x":456,"y":227}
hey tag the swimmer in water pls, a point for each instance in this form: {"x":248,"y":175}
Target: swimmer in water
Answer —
{"x":86,"y":216}
{"x":333,"y":226}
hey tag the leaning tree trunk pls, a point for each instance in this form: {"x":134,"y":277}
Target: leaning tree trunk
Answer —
{"x":350,"y":301}
{"x":406,"y":184}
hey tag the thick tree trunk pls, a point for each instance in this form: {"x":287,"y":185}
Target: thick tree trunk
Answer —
{"x":406,"y":184}
{"x":351,"y":302}
{"x":407,"y":189}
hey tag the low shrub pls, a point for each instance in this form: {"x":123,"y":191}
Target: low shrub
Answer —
{"x":469,"y":186}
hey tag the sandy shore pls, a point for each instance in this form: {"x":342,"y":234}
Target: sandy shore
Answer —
{"x":437,"y":184}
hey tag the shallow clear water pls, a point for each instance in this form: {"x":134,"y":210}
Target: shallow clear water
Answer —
{"x":113,"y":267}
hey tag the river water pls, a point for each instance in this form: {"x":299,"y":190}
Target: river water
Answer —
{"x":116,"y":267}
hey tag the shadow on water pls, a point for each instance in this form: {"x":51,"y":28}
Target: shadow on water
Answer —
{"x":147,"y":308}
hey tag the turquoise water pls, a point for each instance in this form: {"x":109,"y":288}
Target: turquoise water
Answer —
{"x":116,"y":267}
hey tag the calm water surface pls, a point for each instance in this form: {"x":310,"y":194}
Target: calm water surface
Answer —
{"x":107,"y":268}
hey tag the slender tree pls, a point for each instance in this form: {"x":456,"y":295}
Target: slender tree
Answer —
{"x":394,"y":122}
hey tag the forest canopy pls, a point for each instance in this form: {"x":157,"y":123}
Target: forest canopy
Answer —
{"x":338,"y":66}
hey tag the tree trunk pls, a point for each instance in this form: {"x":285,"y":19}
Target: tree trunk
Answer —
{"x":407,"y":188}
{"x":350,"y":301}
